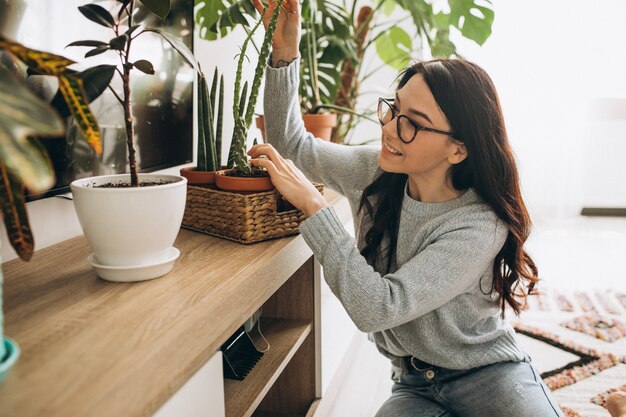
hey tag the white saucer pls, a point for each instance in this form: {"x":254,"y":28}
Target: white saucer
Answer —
{"x":135,"y":273}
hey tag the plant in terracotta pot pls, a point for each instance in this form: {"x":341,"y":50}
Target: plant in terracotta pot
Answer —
{"x":242,"y":176}
{"x":337,"y":38}
{"x":210,"y":124}
{"x":131,"y":221}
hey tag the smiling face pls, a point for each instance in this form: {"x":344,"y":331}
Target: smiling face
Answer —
{"x":429,"y":156}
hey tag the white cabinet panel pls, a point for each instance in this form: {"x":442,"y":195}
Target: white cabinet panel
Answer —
{"x":201,"y":396}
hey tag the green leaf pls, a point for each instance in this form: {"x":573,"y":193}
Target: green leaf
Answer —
{"x":95,"y":81}
{"x":97,"y":14}
{"x":132,"y":29}
{"x":144,"y":66}
{"x":87,"y":43}
{"x":394,"y":47}
{"x":389,"y":7}
{"x":23,"y":114}
{"x":441,"y":45}
{"x":161,"y":8}
{"x":477,"y":20}
{"x":15,"y":216}
{"x":97,"y":51}
{"x":119,"y":42}
{"x":216,"y":18}
{"x":178,"y":45}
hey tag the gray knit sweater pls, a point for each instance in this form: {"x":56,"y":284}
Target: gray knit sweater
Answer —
{"x":430,"y":305}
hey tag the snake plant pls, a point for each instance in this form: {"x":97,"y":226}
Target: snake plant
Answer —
{"x":211,"y":117}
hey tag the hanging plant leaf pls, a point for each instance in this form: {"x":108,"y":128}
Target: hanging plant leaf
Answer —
{"x":159,"y":7}
{"x":97,"y":14}
{"x":42,"y":62}
{"x":118,"y":43}
{"x":144,"y":66}
{"x":87,"y":43}
{"x":15,"y":216}
{"x":95,"y":81}
{"x":72,"y":89}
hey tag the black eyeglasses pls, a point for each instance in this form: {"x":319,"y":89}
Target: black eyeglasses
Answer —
{"x":407,"y":128}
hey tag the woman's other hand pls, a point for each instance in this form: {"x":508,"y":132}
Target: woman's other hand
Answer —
{"x":286,"y":40}
{"x":288,"y":179}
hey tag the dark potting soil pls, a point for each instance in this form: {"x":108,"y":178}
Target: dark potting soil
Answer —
{"x":127,"y":185}
{"x":254,"y":174}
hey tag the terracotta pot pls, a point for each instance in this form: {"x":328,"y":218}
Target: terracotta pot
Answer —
{"x":230,"y":183}
{"x":320,"y":125}
{"x":198,"y":177}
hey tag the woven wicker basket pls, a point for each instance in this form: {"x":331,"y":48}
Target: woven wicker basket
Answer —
{"x":244,"y":218}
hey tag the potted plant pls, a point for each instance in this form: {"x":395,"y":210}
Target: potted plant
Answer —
{"x":210,"y":122}
{"x":241,"y":176}
{"x":131,"y":221}
{"x":23,"y":160}
{"x":337,"y":35}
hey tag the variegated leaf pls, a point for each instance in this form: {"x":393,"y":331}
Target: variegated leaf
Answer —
{"x":15,"y":216}
{"x":42,"y":62}
{"x":74,"y":94}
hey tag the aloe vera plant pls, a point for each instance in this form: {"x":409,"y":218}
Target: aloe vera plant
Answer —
{"x":210,"y":124}
{"x":243,"y":107}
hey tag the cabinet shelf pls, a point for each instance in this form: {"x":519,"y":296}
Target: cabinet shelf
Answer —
{"x":285,"y":336}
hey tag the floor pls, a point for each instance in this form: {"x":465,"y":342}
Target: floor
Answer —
{"x":575,"y":253}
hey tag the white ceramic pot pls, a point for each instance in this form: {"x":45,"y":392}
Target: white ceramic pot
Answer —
{"x":131,"y":229}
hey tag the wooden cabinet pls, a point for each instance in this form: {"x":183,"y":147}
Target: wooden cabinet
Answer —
{"x":96,"y":348}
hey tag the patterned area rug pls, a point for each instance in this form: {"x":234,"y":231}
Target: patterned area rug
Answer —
{"x":590,"y":327}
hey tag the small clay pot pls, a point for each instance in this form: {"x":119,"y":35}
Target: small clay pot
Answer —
{"x":226,"y":182}
{"x":198,"y":177}
{"x":320,"y":125}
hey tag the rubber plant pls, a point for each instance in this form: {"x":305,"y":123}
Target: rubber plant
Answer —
{"x":337,"y":35}
{"x":243,"y":104}
{"x":125,"y":30}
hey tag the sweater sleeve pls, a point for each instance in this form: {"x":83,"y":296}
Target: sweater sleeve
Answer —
{"x":340,"y":167}
{"x":450,"y":265}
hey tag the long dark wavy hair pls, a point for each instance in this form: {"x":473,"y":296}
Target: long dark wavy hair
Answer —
{"x":468,"y":98}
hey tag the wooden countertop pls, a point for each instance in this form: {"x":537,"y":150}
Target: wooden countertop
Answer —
{"x":96,"y":348}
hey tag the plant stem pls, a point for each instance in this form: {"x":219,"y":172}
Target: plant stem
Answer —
{"x":128,"y":118}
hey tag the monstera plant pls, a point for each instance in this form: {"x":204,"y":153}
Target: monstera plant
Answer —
{"x":337,"y":35}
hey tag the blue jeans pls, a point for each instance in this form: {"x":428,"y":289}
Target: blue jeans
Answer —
{"x":505,"y":389}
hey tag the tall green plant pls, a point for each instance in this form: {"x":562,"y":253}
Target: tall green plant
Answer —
{"x":243,"y":107}
{"x":211,"y":117}
{"x":126,"y":28}
{"x":333,"y":42}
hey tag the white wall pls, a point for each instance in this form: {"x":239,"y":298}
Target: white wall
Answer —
{"x":554,"y":65}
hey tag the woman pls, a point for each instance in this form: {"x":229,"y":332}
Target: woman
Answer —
{"x":440,"y":227}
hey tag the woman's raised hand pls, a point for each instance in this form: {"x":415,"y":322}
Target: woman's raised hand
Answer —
{"x":288,"y":179}
{"x":286,"y":40}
